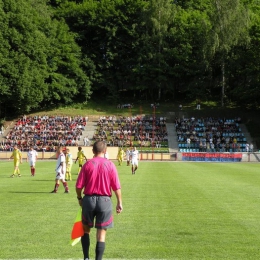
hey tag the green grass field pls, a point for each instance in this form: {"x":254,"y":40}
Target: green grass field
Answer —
{"x":171,"y":211}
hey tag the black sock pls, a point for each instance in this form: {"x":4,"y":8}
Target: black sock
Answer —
{"x":85,"y":242}
{"x":100,"y":248}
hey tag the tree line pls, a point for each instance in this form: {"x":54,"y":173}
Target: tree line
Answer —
{"x":62,"y":51}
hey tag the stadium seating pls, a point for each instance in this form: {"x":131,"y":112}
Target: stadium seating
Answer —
{"x":45,"y":132}
{"x":142,"y":131}
{"x":225,"y":134}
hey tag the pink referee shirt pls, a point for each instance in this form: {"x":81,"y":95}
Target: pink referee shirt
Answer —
{"x":98,"y":176}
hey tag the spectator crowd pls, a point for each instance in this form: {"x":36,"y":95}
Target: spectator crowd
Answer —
{"x":44,"y":133}
{"x":210,"y":135}
{"x":132,"y":130}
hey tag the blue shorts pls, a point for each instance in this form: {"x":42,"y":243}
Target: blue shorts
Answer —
{"x":99,"y":209}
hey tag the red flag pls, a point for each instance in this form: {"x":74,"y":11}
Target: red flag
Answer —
{"x":77,"y":229}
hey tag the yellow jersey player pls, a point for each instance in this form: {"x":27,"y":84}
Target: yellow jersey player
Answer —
{"x":17,"y":156}
{"x":80,"y":157}
{"x":120,"y":156}
{"x":68,"y":165}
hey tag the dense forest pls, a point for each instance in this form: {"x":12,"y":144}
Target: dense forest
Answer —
{"x":62,"y":51}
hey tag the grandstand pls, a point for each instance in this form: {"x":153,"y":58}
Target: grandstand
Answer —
{"x":210,"y":135}
{"x":140,"y":131}
{"x":149,"y":133}
{"x":44,"y":132}
{"x":48,"y":132}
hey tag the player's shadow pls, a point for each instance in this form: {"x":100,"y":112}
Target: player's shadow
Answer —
{"x":28,"y":192}
{"x":44,"y":180}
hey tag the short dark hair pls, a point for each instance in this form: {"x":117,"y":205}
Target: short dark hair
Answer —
{"x":99,"y":147}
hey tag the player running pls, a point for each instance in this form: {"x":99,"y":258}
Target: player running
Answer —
{"x":32,"y":156}
{"x":17,"y":156}
{"x":80,"y":157}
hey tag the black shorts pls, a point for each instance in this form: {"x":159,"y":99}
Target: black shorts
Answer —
{"x":98,"y":209}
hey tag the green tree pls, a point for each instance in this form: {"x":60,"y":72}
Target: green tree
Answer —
{"x":39,"y":60}
{"x":66,"y":79}
{"x":22,"y":62}
{"x":244,"y":64}
{"x":154,"y":67}
{"x":187,"y":53}
{"x":229,"y":20}
{"x":108,"y":34}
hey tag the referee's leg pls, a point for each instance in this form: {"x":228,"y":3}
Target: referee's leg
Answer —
{"x":100,"y":246}
{"x":85,"y":242}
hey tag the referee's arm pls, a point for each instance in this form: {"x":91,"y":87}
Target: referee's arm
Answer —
{"x":119,"y":206}
{"x":79,"y":195}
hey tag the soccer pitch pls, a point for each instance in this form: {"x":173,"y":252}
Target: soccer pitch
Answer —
{"x":172,"y":210}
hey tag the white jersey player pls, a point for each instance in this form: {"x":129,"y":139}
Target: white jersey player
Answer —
{"x":134,"y":159}
{"x":61,"y":166}
{"x":32,"y":158}
{"x":106,"y":155}
{"x":128,"y":153}
{"x":60,"y":172}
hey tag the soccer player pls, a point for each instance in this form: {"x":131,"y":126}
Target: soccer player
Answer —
{"x":120,"y":156}
{"x":32,"y":157}
{"x":106,"y":155}
{"x":128,"y":153}
{"x":134,"y":159}
{"x":68,"y":165}
{"x":80,"y":157}
{"x":60,"y":171}
{"x":97,"y":179}
{"x":17,"y":156}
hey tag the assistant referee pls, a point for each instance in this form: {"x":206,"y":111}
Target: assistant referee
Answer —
{"x":97,"y":178}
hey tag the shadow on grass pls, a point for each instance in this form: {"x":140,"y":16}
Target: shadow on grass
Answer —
{"x":45,"y":180}
{"x":31,"y":192}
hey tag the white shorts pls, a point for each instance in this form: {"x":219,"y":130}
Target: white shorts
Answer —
{"x":135,"y":162}
{"x":32,"y":163}
{"x":60,"y":176}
